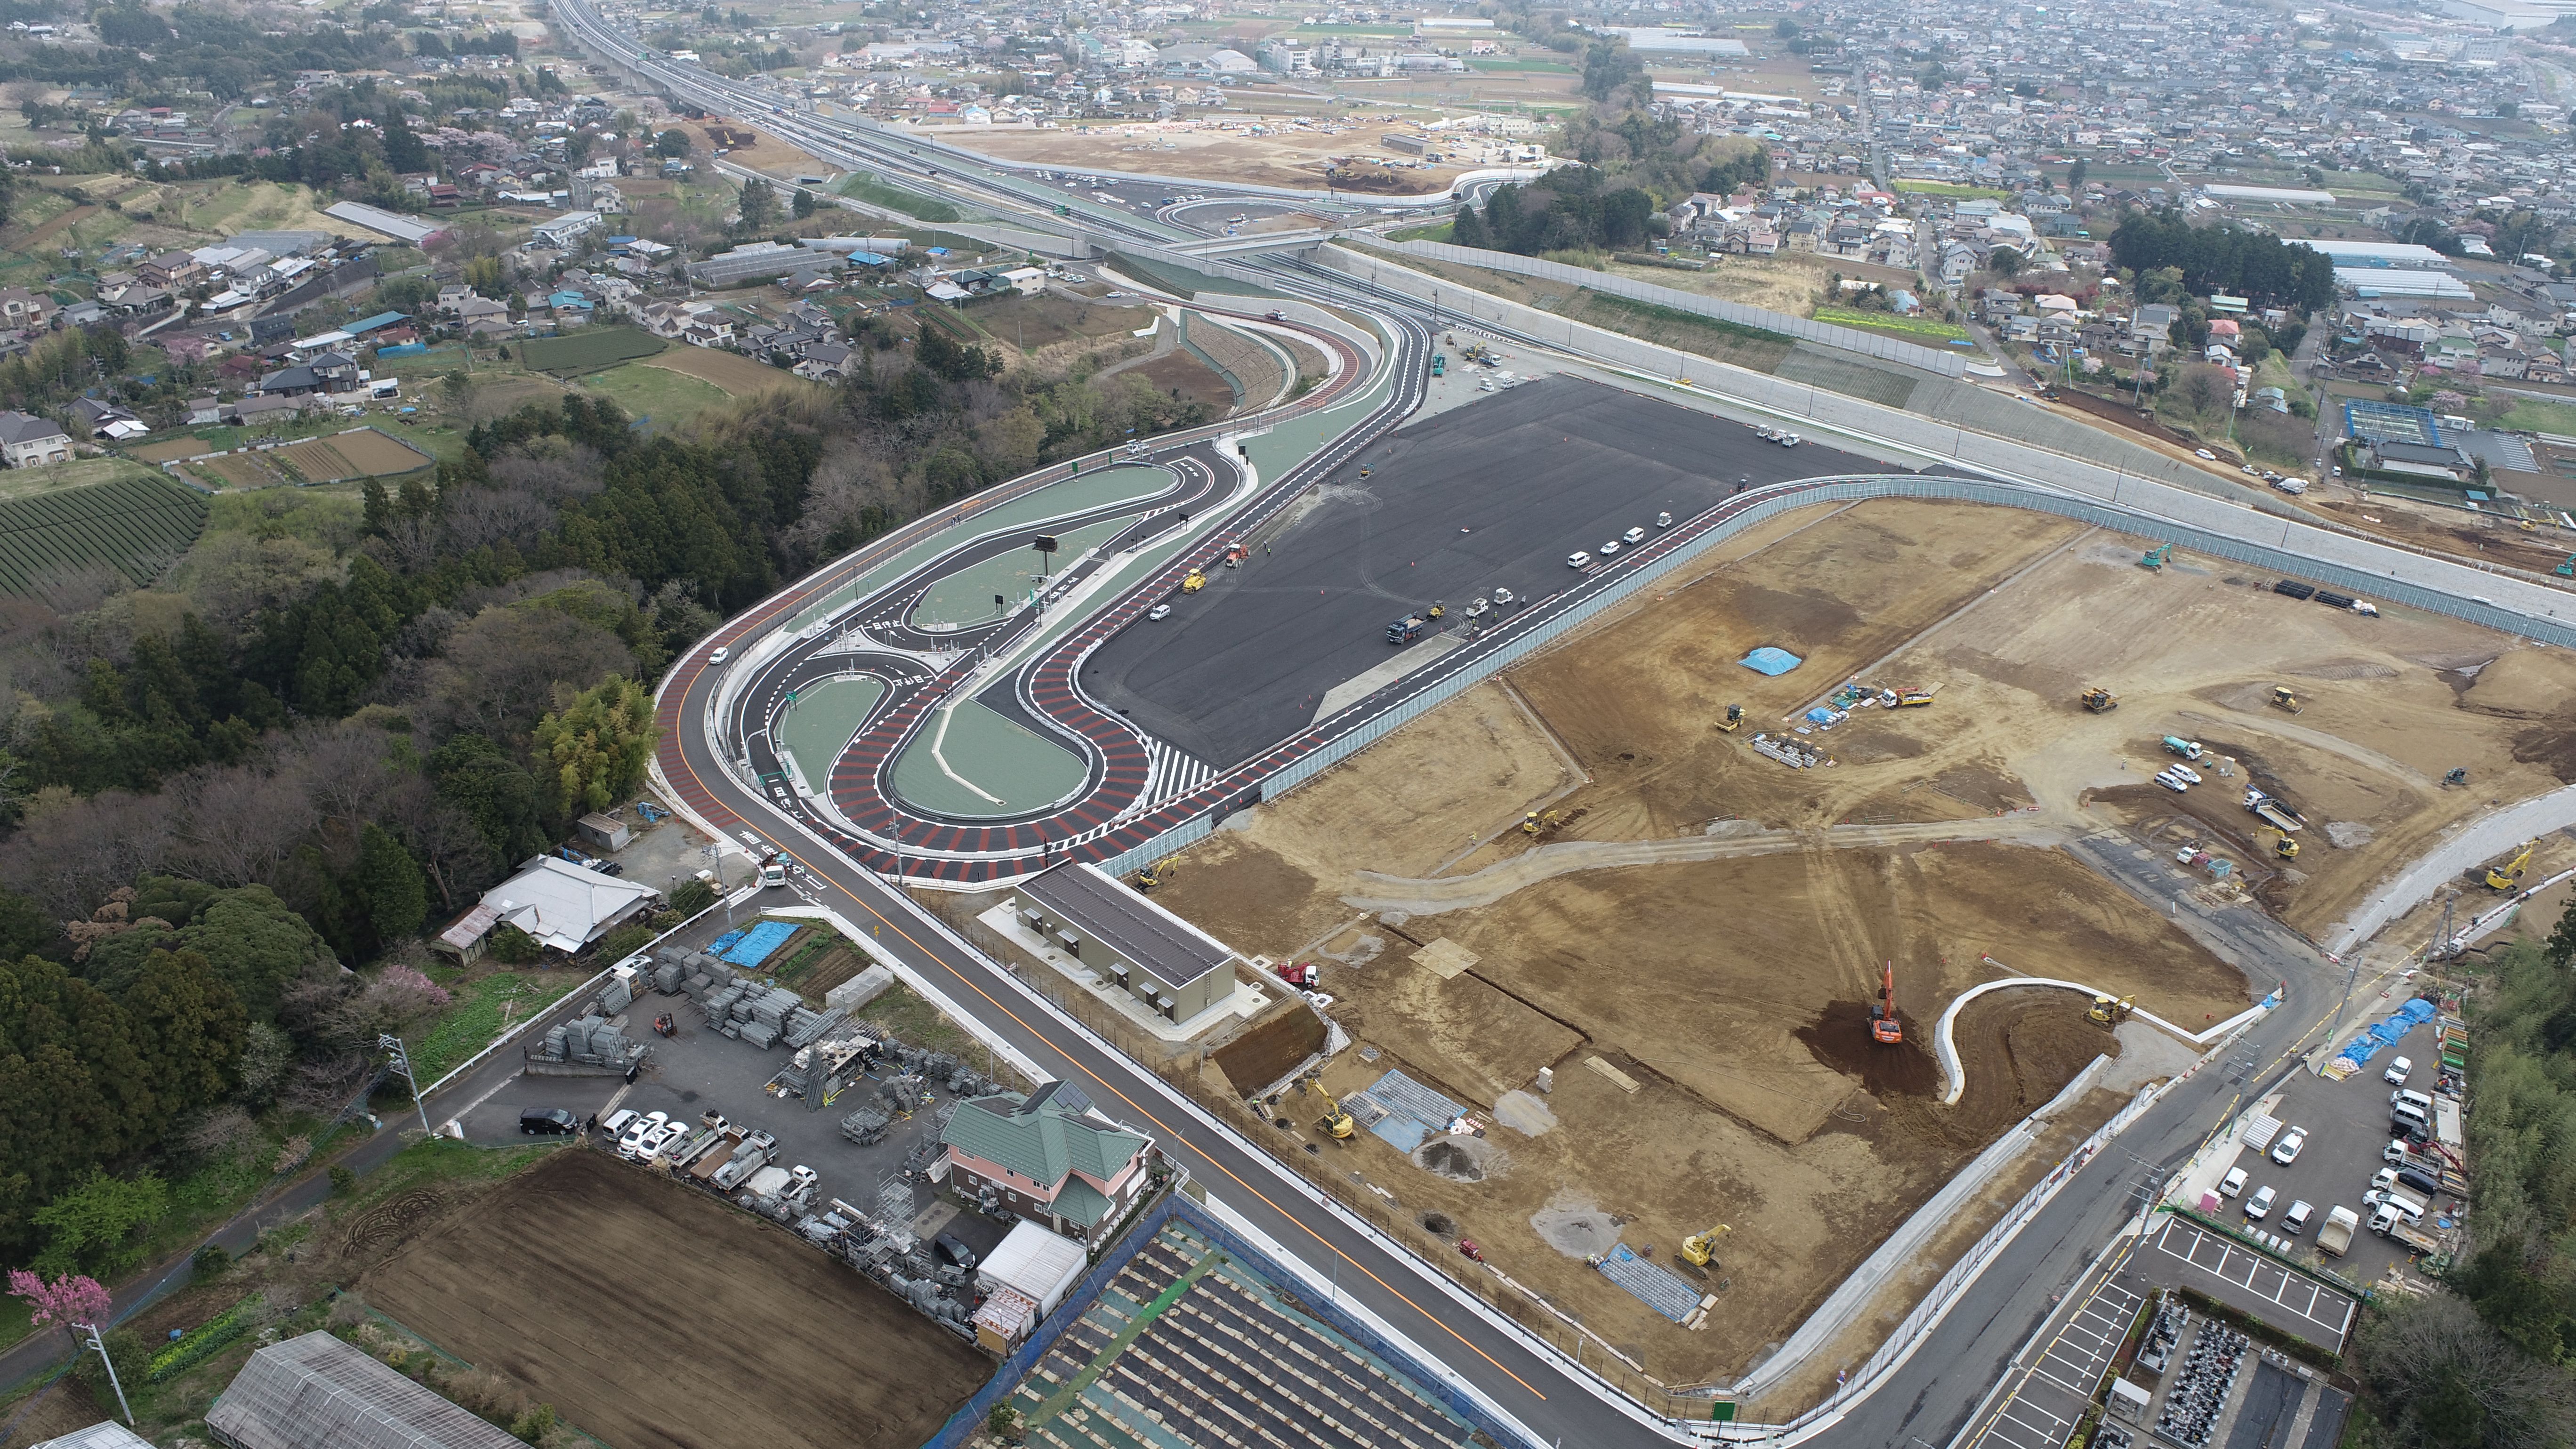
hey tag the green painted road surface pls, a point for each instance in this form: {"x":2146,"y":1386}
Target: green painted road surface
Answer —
{"x":1007,"y":768}
{"x":1083,"y":491}
{"x":966,"y":597}
{"x":820,"y":724}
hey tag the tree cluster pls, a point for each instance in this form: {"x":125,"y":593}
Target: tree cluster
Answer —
{"x":2255,"y":265}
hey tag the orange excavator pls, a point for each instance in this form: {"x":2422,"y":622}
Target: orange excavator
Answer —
{"x":1883,"y":1027}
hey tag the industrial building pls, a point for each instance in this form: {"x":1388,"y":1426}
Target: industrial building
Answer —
{"x":1166,"y":963}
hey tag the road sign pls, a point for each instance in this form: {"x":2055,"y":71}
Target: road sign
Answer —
{"x":1043,"y":543}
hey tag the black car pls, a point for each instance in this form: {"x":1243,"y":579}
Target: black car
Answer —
{"x":2421,"y":1182}
{"x":548,"y":1122}
{"x":954,"y":1249}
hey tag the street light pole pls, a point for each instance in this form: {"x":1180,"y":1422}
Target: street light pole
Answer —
{"x":388,"y":1042}
{"x":100,"y":1344}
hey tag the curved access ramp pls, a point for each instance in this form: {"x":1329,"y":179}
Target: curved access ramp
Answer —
{"x":1955,"y":1077}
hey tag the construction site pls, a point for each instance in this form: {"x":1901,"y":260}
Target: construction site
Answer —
{"x":1615,"y":937}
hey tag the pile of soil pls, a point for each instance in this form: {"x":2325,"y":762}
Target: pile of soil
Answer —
{"x":1267,"y":1050}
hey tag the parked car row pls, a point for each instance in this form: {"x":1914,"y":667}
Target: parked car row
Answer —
{"x":1579,"y":559}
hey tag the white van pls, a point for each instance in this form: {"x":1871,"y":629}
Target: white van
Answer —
{"x":1578,"y":560}
{"x":2405,"y":1118}
{"x":2416,"y":1100}
{"x":2233,"y":1183}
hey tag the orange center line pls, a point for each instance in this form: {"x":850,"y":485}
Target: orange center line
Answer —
{"x":1168,"y":1133}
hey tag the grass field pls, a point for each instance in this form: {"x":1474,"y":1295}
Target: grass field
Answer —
{"x":80,"y":472}
{"x":135,"y":525}
{"x":653,"y":394}
{"x":589,"y":348}
{"x":863,"y":187}
{"x":2540,"y":417}
{"x":730,"y":371}
{"x":1946,"y":188}
{"x":1889,"y":322}
{"x":482,"y":1011}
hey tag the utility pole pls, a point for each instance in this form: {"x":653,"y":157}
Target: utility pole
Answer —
{"x":100,"y":1344}
{"x":388,"y":1042}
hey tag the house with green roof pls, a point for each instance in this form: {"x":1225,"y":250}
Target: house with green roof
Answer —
{"x":1048,"y":1157}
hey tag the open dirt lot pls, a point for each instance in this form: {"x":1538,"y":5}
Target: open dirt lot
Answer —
{"x":596,"y":1284}
{"x":1291,"y":155}
{"x":1712,"y":924}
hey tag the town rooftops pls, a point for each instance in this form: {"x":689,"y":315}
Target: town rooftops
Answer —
{"x":1091,"y":900}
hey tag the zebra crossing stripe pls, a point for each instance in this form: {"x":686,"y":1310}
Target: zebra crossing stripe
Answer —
{"x":1176,"y":771}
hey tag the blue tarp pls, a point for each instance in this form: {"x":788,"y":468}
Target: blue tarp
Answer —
{"x":759,"y":941}
{"x":1820,"y":715}
{"x":1771,"y":660}
{"x":2387,"y":1033}
{"x":407,"y":349}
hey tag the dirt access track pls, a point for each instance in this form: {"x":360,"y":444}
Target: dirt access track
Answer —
{"x":1712,"y":924}
{"x":652,"y":1314}
{"x":1286,"y":154}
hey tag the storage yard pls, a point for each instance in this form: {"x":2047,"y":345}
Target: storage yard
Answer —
{"x":652,"y":1315}
{"x":1745,"y":909}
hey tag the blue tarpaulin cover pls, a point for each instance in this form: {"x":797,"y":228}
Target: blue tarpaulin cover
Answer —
{"x":1771,"y":660}
{"x":2387,"y":1033}
{"x":759,"y":941}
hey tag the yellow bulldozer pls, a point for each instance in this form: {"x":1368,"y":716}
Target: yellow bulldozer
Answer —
{"x":1734,"y":719}
{"x":2508,"y":876}
{"x":2286,"y":698}
{"x":2109,"y":1011}
{"x":2100,"y":700}
{"x":1335,"y":1123}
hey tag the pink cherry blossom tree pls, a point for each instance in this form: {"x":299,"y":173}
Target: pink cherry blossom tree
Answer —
{"x":68,"y":1300}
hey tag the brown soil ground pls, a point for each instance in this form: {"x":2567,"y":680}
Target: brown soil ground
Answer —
{"x":765,"y":153}
{"x":1194,"y":381}
{"x":173,"y":449}
{"x":600,"y":1258}
{"x":2446,"y":530}
{"x":730,"y":371}
{"x":1736,"y":990}
{"x":1291,"y":156}
{"x":1268,"y":1049}
{"x":1031,"y":325}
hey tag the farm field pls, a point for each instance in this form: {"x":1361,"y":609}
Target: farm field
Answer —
{"x":360,"y":453}
{"x":602,"y":1258}
{"x":136,"y":525}
{"x":730,"y":372}
{"x":79,"y":472}
{"x":589,"y":349}
{"x":1744,"y":910}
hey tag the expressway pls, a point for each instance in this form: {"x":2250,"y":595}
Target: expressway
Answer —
{"x":712,"y":761}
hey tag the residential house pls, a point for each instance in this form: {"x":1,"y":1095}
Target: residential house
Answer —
{"x":172,"y":269}
{"x":825,"y":362}
{"x":106,"y":419}
{"x":1048,"y":1157}
{"x":22,"y":308}
{"x":565,"y":907}
{"x":261,"y":408}
{"x":327,"y":372}
{"x":452,"y":297}
{"x":203,"y":410}
{"x":27,"y":441}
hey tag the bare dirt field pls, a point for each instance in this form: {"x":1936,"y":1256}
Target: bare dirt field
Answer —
{"x":591,"y":1282}
{"x":1790,"y":283}
{"x":729,"y":371}
{"x":2446,"y":530}
{"x":1712,"y":924}
{"x":1290,"y":154}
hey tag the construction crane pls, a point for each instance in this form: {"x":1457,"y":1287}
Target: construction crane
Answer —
{"x":1883,"y":1027}
{"x":2154,"y":558}
{"x":1336,"y":1123}
{"x":2110,"y":1012}
{"x":1155,"y":874}
{"x":2509,"y":875}
{"x":2100,"y":700}
{"x":2286,"y":698}
{"x":1700,"y":1249}
{"x":1734,"y":719}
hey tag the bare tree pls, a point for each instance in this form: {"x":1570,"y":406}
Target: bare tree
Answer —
{"x":480,"y":517}
{"x":2448,"y":1378}
{"x":498,"y":673}
{"x":235,"y":823}
{"x":342,"y":768}
{"x":71,"y":856}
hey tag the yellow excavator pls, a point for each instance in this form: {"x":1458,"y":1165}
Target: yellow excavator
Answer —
{"x":2100,"y":700}
{"x":1700,"y":1249}
{"x":1734,"y":719}
{"x":2507,"y":876}
{"x":2111,"y":1012}
{"x":1155,"y":874}
{"x":2286,"y":698}
{"x":1336,"y":1123}
{"x":1535,"y":823}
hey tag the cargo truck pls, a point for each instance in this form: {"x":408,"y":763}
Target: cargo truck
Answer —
{"x":705,"y":1168}
{"x":767,"y":1182}
{"x":750,"y":1158}
{"x":2336,"y":1235}
{"x":2413,"y":1237}
{"x":2188,"y":749}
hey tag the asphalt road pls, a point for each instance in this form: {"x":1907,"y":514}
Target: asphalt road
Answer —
{"x":1492,"y":494}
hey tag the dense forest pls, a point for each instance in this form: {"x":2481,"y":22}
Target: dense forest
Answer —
{"x":2257,"y":266}
{"x":234,"y":802}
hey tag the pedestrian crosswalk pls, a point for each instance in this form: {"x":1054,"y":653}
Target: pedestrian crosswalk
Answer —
{"x":1176,"y":771}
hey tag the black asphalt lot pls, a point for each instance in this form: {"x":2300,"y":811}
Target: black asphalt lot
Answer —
{"x":1531,"y":474}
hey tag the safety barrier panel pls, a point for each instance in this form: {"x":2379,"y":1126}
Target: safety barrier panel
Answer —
{"x":1823,"y":334}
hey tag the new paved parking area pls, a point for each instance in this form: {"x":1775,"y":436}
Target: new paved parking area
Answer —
{"x":2043,"y":1409}
{"x":1490,"y":495}
{"x":2185,"y":1254}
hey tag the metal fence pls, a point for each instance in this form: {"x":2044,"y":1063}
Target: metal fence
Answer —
{"x":1823,"y":334}
{"x":1463,"y":669}
{"x":968,"y":1421}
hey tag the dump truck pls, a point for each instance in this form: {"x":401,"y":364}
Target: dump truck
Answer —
{"x":2413,"y":1237}
{"x":1406,"y":629}
{"x":750,"y":1158}
{"x":2188,"y":749}
{"x":2336,"y":1236}
{"x":773,"y":870}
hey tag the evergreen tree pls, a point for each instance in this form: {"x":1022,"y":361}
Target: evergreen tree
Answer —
{"x":599,"y":746}
{"x":1469,"y":229}
{"x":389,"y":881}
{"x":188,"y":1027}
{"x":803,"y":206}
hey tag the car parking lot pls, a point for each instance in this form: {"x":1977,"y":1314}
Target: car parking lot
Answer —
{"x":699,"y":1070}
{"x":2346,"y":1129}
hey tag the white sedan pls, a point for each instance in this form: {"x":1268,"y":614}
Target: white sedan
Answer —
{"x":2286,"y":1151}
